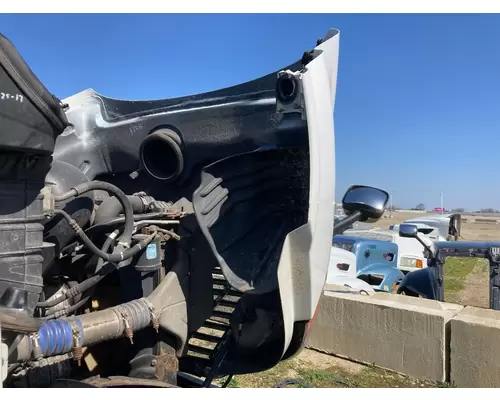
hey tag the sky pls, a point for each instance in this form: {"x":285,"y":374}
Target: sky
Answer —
{"x":417,"y":108}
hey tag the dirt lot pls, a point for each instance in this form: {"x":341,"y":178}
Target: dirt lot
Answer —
{"x":313,"y":369}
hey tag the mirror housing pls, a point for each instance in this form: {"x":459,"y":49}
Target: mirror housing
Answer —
{"x":369,"y":201}
{"x":411,"y":231}
{"x":408,"y":231}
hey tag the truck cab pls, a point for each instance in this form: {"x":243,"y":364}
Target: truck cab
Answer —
{"x":448,"y":225}
{"x":410,"y":253}
{"x":358,"y":262}
{"x":428,"y":231}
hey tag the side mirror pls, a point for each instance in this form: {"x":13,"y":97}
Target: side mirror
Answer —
{"x":411,"y":231}
{"x":369,"y":201}
{"x":362,"y":203}
{"x":408,"y":231}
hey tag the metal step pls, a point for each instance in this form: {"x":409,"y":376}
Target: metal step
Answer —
{"x":227,"y":303}
{"x":218,"y":281}
{"x":206,"y":337}
{"x":221,"y":314}
{"x":226,"y":292}
{"x":205,"y":361}
{"x":200,"y":350}
{"x":215,"y":325}
{"x":219,"y":292}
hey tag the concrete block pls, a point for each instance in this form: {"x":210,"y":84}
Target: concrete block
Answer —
{"x":475,"y":348}
{"x":486,"y":221}
{"x":405,"y":334}
{"x":345,"y":289}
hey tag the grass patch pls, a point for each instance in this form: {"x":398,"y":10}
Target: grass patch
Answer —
{"x":304,"y":374}
{"x":267,"y":379}
{"x":455,"y":271}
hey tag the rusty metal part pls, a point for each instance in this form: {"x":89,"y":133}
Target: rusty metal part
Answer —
{"x":167,"y":364}
{"x":166,"y":234}
{"x":156,"y":325}
{"x":171,"y":234}
{"x":128,"y":330}
{"x":124,"y":381}
{"x":77,"y":355}
{"x":77,"y":348}
{"x":154,"y":319}
{"x":175,"y":214}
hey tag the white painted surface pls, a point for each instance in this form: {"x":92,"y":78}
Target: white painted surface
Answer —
{"x":304,"y":259}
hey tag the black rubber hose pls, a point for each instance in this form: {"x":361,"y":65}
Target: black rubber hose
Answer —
{"x":61,"y":313}
{"x":105,"y":247}
{"x":115,"y":257}
{"x":87,"y":283}
{"x":119,"y":220}
{"x":112,"y":189}
{"x":89,"y":231}
{"x":111,"y":208}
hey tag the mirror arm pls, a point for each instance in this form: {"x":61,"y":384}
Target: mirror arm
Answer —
{"x":425,"y":246}
{"x":341,"y":226}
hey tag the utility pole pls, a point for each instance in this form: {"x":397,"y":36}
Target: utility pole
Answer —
{"x":442,"y":203}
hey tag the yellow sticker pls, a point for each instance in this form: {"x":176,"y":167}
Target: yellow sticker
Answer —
{"x":386,"y":287}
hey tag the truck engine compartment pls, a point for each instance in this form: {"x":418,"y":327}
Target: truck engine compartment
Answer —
{"x":140,"y":240}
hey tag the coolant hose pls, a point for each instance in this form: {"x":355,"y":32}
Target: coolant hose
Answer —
{"x":115,"y":257}
{"x":111,"y":208}
{"x":126,"y":237}
{"x":119,"y":220}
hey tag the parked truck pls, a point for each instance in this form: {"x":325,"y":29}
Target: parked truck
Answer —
{"x":364,"y":264}
{"x":410,"y":254}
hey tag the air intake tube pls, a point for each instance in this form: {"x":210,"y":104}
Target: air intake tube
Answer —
{"x":61,"y":336}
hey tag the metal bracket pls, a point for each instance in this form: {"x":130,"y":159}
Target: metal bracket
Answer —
{"x":48,"y":202}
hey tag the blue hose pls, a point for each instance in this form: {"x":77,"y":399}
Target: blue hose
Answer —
{"x":56,"y":336}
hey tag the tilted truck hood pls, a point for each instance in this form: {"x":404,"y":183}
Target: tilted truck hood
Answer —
{"x":256,"y":174}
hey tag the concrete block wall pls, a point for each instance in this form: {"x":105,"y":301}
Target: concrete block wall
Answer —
{"x":405,"y":334}
{"x":420,"y":338}
{"x":475,"y":348}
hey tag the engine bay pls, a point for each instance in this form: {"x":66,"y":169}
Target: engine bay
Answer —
{"x":141,"y":240}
